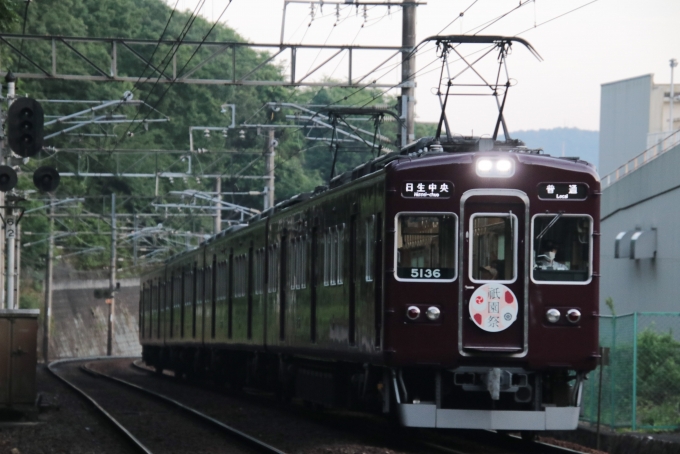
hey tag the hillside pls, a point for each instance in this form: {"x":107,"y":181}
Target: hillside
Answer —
{"x":564,"y":142}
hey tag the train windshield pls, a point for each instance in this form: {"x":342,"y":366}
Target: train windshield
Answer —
{"x":493,"y":247}
{"x":426,"y":246}
{"x":562,"y":248}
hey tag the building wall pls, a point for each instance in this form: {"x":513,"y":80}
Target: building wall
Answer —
{"x":646,"y":198}
{"x":624,"y":121}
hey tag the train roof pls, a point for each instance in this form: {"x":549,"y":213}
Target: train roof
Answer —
{"x":422,"y":149}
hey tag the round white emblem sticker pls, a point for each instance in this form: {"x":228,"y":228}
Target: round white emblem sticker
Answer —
{"x":493,"y":307}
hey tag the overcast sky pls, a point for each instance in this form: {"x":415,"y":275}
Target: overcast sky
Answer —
{"x":604,"y":41}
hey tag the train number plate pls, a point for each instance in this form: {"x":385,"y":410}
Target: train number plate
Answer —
{"x":425,"y":273}
{"x":427,"y":189}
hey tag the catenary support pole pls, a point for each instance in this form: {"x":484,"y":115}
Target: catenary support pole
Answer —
{"x":408,"y":66}
{"x":47,"y":314}
{"x":269,"y":171}
{"x":218,"y":206}
{"x":112,"y":279}
{"x":10,"y":79}
{"x":17,"y":268}
{"x":10,"y":243}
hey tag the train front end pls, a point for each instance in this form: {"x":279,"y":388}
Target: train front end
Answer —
{"x":491,"y":289}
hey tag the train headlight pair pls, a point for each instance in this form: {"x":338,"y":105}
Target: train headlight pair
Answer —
{"x":495,"y":168}
{"x":413,"y":313}
{"x":553,"y":315}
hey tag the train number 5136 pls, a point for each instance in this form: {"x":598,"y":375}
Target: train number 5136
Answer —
{"x":425,"y":273}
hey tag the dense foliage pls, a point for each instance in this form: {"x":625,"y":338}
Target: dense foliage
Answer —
{"x":301,"y":164}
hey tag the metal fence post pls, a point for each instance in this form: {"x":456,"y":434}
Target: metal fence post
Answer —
{"x":612,"y":368}
{"x":635,"y":345}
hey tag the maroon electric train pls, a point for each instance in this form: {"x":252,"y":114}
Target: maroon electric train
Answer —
{"x":453,"y":284}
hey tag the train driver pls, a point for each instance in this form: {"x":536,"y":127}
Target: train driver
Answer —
{"x":546,"y":260}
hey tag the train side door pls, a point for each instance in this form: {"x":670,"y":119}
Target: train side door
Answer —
{"x":493,"y":278}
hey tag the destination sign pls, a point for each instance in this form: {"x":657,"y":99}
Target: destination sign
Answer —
{"x":563,"y":191}
{"x":427,"y":189}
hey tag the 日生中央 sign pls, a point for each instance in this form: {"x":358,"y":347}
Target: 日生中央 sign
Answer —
{"x":427,"y":189}
{"x":563,"y":191}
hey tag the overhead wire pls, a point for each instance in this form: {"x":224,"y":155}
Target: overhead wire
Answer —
{"x":153,"y":54}
{"x":172,"y":82}
{"x":169,"y":56}
{"x":23,"y":32}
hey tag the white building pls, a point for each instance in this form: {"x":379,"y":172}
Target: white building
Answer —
{"x":640,"y":168}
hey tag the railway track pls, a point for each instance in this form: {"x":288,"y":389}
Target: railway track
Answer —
{"x":151,"y":422}
{"x":139,"y":419}
{"x":463,"y":442}
{"x":496,"y":443}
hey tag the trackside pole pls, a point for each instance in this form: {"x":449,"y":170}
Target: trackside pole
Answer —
{"x":112,"y":279}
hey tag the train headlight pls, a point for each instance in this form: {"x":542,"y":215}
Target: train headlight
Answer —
{"x":413,"y":312}
{"x":433,"y":313}
{"x":495,"y":167}
{"x":504,"y":165}
{"x":573,"y":315}
{"x":553,"y":315}
{"x":484,"y":165}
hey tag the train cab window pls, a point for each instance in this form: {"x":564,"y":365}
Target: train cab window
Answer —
{"x":562,"y":248}
{"x":493,"y":247}
{"x":426,"y":246}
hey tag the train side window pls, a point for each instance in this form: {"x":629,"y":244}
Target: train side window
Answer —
{"x":304,"y":250}
{"x":370,"y":246}
{"x":333,"y":254}
{"x":425,"y":248}
{"x":341,"y":249}
{"x":273,"y":266}
{"x":326,"y":258}
{"x":291,"y":263}
{"x":562,"y":249}
{"x":493,"y":247}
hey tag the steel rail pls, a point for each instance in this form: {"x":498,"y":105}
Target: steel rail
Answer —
{"x":131,"y":438}
{"x":242,"y":436}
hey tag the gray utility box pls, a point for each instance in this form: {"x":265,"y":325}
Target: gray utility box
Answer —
{"x":18,"y":356}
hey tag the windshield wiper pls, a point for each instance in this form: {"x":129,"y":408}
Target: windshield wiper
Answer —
{"x":550,"y":224}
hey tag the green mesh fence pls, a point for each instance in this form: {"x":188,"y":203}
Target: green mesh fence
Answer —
{"x":641,"y":383}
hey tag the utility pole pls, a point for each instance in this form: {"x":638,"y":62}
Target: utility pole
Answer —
{"x":218,"y":206}
{"x":112,"y":278}
{"x":10,"y":242}
{"x":47,"y":314}
{"x":11,"y":80}
{"x":17,"y":268}
{"x":408,"y":68}
{"x":269,"y":170}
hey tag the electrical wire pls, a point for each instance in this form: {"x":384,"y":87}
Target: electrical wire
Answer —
{"x":148,"y":62}
{"x":23,"y":32}
{"x":176,"y":48}
{"x":458,"y":17}
{"x":557,"y":17}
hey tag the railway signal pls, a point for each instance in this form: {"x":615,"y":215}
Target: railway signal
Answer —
{"x":45,"y":178}
{"x":25,"y":124}
{"x":8,"y":178}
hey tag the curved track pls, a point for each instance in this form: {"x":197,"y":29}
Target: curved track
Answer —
{"x":154,"y":423}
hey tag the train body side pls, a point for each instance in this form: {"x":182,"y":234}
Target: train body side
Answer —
{"x":327,"y":295}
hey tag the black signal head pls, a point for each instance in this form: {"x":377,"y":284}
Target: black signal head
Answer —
{"x":46,"y":179}
{"x":25,"y":124}
{"x":8,"y":178}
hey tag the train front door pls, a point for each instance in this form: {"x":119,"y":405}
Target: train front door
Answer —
{"x":493,"y":279}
